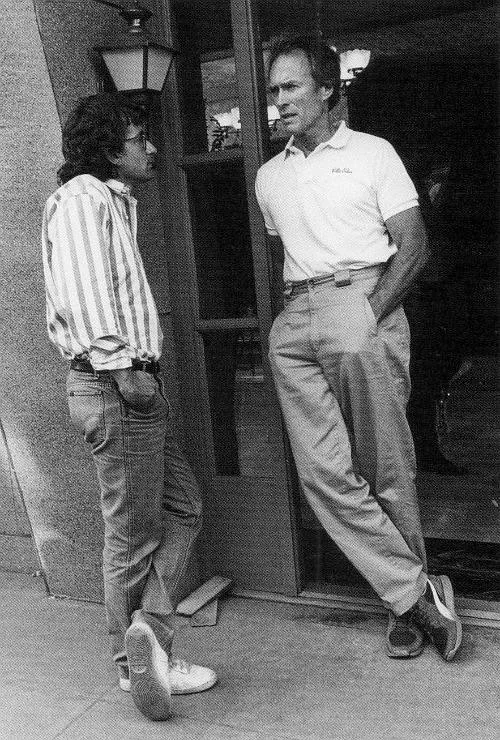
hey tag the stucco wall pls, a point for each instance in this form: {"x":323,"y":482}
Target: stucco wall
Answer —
{"x":30,"y":407}
{"x":46,"y":68}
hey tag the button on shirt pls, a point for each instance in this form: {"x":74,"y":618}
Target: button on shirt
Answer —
{"x":330,"y":208}
{"x":99,"y":304}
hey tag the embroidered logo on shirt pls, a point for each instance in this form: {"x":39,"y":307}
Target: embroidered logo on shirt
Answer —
{"x":342,"y":170}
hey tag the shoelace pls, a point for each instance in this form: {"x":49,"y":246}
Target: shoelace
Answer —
{"x":177,"y":664}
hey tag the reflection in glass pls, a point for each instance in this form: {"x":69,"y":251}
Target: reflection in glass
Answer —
{"x":239,"y":404}
{"x":220,"y":94}
{"x":225,"y":131}
{"x":206,"y":71}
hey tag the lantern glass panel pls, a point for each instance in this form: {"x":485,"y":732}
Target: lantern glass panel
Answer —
{"x":125,"y":67}
{"x":158,"y":65}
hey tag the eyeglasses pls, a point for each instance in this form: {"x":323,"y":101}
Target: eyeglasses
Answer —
{"x":140,"y":138}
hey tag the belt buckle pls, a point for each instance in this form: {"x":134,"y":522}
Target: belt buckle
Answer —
{"x":342,"y":278}
{"x":288,"y":290}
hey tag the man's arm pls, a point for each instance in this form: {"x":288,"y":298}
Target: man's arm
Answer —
{"x":137,"y":387}
{"x":274,"y":243}
{"x":407,"y":231}
{"x":277,"y":261}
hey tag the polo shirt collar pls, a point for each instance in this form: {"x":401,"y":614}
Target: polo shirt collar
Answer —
{"x":337,"y":141}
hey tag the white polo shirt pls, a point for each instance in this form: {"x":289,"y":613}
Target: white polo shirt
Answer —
{"x":330,"y":208}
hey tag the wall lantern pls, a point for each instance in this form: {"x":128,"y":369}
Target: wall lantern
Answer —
{"x":138,"y":67}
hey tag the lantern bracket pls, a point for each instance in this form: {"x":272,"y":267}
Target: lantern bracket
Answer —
{"x":133,"y":12}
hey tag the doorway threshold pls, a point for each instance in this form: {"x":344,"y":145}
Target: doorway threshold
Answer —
{"x":470,"y":611}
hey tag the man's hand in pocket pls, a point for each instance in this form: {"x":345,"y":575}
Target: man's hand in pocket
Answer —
{"x":136,"y":387}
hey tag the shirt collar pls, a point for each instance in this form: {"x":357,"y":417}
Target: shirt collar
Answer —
{"x":118,"y":187}
{"x":337,"y":141}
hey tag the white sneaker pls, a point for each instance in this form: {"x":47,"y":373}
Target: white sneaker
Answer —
{"x":148,"y":682}
{"x":185,"y":678}
{"x":188,"y":678}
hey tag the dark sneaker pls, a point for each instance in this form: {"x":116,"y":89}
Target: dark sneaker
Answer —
{"x":403,"y":638}
{"x":435,"y":614}
{"x":148,"y":670}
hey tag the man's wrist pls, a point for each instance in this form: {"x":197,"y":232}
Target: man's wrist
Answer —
{"x":376,"y":307}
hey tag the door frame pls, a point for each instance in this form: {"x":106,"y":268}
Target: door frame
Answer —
{"x":250,"y":531}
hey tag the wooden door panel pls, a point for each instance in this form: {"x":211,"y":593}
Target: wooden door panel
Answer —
{"x":248,"y":534}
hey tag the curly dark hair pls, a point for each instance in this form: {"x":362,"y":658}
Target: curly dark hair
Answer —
{"x":324,"y":61}
{"x":95,"y":128}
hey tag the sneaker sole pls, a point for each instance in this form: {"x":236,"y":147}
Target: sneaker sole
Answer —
{"x":149,"y":687}
{"x":124,"y":684}
{"x":449,"y":602}
{"x":204,"y":687}
{"x":392,"y":652}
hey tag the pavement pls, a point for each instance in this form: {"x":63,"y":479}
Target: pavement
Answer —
{"x":286,"y":672}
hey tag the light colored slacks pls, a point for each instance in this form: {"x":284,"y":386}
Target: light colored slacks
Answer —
{"x":343,"y":385}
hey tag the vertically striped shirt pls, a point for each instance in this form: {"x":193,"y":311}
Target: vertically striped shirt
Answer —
{"x":99,"y":304}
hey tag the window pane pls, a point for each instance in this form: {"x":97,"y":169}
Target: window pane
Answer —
{"x":239,"y":404}
{"x":222,"y":243}
{"x":207,"y":76}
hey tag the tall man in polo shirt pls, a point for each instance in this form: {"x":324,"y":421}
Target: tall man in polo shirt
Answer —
{"x":343,"y":213}
{"x":102,"y":318}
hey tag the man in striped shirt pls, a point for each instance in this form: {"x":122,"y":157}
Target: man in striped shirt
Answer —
{"x":102,"y":317}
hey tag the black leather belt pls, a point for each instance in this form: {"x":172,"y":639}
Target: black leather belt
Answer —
{"x":84,"y":366}
{"x":341,"y":278}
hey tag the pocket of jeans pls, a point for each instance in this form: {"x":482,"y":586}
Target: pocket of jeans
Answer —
{"x":142,"y":407}
{"x":140,"y":400}
{"x":86,"y":409}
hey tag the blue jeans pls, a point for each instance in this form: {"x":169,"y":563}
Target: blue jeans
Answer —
{"x":150,"y":504}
